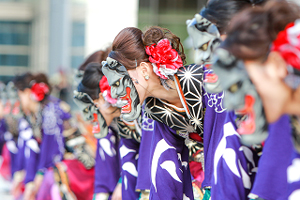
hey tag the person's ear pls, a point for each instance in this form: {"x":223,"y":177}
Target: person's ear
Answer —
{"x":276,"y":65}
{"x":101,"y":99}
{"x":146,"y":69}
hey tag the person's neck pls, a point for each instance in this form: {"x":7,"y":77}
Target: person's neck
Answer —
{"x":170,"y":95}
{"x":34,"y":107}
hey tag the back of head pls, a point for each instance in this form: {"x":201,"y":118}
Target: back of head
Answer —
{"x":96,"y":57}
{"x":41,"y":78}
{"x":220,"y":12}
{"x":252,"y":31}
{"x":128,"y":47}
{"x":22,"y":81}
{"x":90,"y":81}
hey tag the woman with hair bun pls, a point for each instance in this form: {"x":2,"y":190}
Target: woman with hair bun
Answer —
{"x":47,"y":142}
{"x":207,"y":30}
{"x":94,"y":94}
{"x":88,"y":97}
{"x":265,"y":43}
{"x":149,"y":67}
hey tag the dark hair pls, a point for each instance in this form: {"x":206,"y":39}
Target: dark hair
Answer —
{"x":220,"y":12}
{"x":26,"y":80}
{"x":97,"y":57}
{"x":90,"y":81}
{"x":23,"y":81}
{"x":41,"y":78}
{"x":252,"y":31}
{"x":128,"y":47}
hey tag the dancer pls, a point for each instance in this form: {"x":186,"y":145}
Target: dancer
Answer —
{"x":107,"y":167}
{"x":47,"y":124}
{"x":259,"y":37}
{"x":175,"y":99}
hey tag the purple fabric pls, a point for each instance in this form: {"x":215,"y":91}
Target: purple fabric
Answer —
{"x":233,"y":164}
{"x":170,"y":174}
{"x":52,"y":145}
{"x":129,"y":152}
{"x":293,"y":177}
{"x":29,"y":150}
{"x":107,"y":167}
{"x":31,"y":166}
{"x":271,"y":178}
{"x":11,"y":146}
{"x":214,"y":119}
{"x":46,"y":188}
{"x":143,"y":180}
{"x":2,"y":131}
{"x":21,"y":160}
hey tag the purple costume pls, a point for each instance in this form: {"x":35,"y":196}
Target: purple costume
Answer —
{"x":143,"y":180}
{"x":107,"y":167}
{"x":28,"y":150}
{"x":234,"y":164}
{"x":129,"y":152}
{"x":293,"y":177}
{"x":26,"y":144}
{"x":293,"y":172}
{"x":170,"y":174}
{"x":214,"y":119}
{"x":52,"y":145}
{"x":2,"y":131}
{"x":11,"y":145}
{"x":271,"y":178}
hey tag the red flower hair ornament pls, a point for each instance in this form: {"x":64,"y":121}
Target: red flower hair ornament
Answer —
{"x":165,"y":60}
{"x":39,"y":90}
{"x":287,"y":44}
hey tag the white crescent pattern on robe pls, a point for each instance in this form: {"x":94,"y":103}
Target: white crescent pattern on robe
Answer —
{"x":295,"y":195}
{"x":229,"y":156}
{"x":12,"y":147}
{"x":124,"y":151}
{"x":228,"y":130}
{"x":245,"y":177}
{"x":33,"y":145}
{"x":185,"y":197}
{"x":171,"y":169}
{"x":106,"y":146}
{"x":23,"y":124}
{"x":26,"y":134}
{"x":293,"y":171}
{"x":125,"y":182}
{"x":102,"y":155}
{"x":130,"y":168}
{"x":161,"y":147}
{"x":248,"y":153}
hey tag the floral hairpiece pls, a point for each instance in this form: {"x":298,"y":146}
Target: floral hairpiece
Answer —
{"x":39,"y":90}
{"x":165,"y":60}
{"x":287,"y":44}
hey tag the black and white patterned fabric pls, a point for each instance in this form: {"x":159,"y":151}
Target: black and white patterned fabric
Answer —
{"x":191,"y":82}
{"x":130,"y":132}
{"x":189,"y":120}
{"x":295,"y":121}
